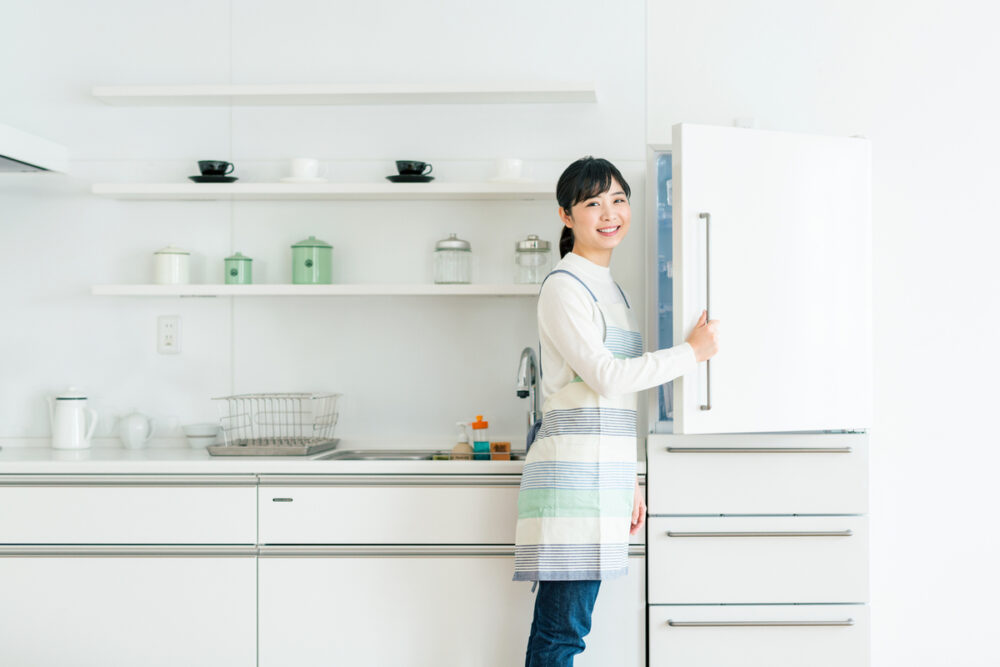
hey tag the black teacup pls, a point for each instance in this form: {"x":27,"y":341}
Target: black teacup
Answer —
{"x":413,"y":167}
{"x":215,"y":167}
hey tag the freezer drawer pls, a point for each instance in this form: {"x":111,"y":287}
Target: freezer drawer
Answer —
{"x":754,"y":560}
{"x":759,"y":636}
{"x":390,"y":509}
{"x":128,"y":509}
{"x":785,"y":473}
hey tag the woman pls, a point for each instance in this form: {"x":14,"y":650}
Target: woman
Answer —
{"x":579,"y":498}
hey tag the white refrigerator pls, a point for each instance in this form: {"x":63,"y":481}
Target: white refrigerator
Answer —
{"x":757,"y":462}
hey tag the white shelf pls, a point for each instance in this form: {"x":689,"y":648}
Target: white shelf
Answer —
{"x":523,"y":190}
{"x":337,"y":94}
{"x":417,"y":289}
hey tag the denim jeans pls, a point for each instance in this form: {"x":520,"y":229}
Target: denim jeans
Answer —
{"x":562,"y":620}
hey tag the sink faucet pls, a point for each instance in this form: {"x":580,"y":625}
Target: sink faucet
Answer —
{"x":528,"y":379}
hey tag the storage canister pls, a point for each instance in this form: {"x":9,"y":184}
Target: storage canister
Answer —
{"x":532,"y":259}
{"x":171,"y":266}
{"x":452,"y":261}
{"x":312,"y":262}
{"x":238,"y":269}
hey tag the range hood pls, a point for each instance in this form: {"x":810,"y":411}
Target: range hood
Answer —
{"x":20,"y":151}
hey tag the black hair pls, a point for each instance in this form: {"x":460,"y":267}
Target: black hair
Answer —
{"x":587,"y":177}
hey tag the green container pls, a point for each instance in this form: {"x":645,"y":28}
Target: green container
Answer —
{"x":239,"y":270}
{"x":312,"y":262}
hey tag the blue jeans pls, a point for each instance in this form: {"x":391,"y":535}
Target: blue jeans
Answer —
{"x":562,"y":620}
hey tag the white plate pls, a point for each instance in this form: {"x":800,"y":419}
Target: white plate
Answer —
{"x":303,"y":179}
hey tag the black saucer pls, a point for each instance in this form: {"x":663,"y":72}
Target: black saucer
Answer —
{"x":213,"y":179}
{"x":410,"y":178}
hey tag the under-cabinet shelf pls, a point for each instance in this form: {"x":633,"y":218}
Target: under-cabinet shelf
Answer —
{"x":499,"y":190}
{"x":341,"y":94}
{"x":414,"y":289}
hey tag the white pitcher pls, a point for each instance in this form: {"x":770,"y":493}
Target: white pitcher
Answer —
{"x":135,"y":429}
{"x":68,"y":417}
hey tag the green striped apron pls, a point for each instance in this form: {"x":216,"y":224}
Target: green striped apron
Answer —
{"x":574,"y":507}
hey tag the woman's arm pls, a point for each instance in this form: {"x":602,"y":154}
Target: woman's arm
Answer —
{"x":565,"y":321}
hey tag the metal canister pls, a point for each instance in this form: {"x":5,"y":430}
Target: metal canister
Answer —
{"x":532,"y":259}
{"x":312,"y":262}
{"x":452,"y":261}
{"x":238,"y":269}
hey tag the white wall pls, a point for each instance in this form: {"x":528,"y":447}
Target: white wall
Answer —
{"x":919,"y":80}
{"x":408,"y":367}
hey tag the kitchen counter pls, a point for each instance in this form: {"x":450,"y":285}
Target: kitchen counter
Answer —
{"x":179,"y":460}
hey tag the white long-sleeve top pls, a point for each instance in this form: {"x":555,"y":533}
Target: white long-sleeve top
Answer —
{"x":571,"y":336}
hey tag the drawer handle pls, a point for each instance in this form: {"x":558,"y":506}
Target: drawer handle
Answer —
{"x":716,"y":624}
{"x":128,"y":550}
{"x":281,"y":500}
{"x":760,"y":450}
{"x":773,"y":533}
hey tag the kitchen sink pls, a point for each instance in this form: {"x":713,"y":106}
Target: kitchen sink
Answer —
{"x":391,"y":455}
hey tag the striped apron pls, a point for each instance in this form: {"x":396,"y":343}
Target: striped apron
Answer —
{"x":574,"y":507}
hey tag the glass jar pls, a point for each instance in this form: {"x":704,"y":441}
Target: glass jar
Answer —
{"x":452,"y":261}
{"x":532,"y":259}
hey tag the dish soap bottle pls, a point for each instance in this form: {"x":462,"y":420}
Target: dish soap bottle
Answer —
{"x":462,"y":451}
{"x":480,"y":439}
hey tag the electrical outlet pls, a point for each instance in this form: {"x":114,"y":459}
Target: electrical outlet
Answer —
{"x":168,"y":334}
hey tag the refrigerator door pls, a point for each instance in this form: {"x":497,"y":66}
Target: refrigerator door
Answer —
{"x":772,"y":233}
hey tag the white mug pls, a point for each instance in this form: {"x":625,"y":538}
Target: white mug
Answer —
{"x":305,"y":167}
{"x":509,"y":169}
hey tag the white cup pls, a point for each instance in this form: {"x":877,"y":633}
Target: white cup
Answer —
{"x":509,"y":168}
{"x":305,"y":167}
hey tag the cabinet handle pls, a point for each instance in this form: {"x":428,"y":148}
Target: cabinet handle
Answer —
{"x":390,"y":480}
{"x":707,"y":217}
{"x":763,"y":533}
{"x":128,"y":480}
{"x":127,"y":550}
{"x":398,"y":550}
{"x":714,"y":624}
{"x":760,"y":450}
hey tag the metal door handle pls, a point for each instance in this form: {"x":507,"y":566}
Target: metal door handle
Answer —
{"x":707,"y":217}
{"x":767,"y":533}
{"x":712,"y":624}
{"x":760,"y":450}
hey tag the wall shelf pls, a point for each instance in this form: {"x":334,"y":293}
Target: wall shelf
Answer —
{"x":509,"y":190}
{"x":341,"y":94}
{"x":414,"y":289}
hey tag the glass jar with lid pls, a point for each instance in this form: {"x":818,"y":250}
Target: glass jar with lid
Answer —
{"x":532,"y":259}
{"x":452,"y":261}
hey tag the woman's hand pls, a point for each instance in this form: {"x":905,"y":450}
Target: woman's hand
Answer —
{"x":638,"y":510}
{"x":704,"y":338}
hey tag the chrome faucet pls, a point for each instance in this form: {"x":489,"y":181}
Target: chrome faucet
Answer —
{"x":528,"y":380}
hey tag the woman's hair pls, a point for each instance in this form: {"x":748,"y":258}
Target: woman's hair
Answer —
{"x":587,"y":177}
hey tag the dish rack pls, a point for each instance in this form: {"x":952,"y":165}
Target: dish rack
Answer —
{"x":291,"y":424}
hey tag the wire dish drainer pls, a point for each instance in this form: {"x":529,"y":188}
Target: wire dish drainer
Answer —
{"x":276,"y":424}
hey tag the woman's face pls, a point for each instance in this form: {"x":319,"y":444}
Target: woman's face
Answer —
{"x":599,"y":224}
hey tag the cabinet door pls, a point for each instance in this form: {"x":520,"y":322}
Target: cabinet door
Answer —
{"x":150,"y":611}
{"x":772,"y":233}
{"x":424,"y":609}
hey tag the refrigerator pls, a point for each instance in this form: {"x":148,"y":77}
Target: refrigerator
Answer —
{"x":757,"y":461}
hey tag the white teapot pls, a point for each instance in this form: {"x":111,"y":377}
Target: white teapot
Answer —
{"x":68,"y":416}
{"x":135,"y":430}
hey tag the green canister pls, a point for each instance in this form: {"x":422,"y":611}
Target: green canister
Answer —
{"x":312,"y":262}
{"x":238,"y":270}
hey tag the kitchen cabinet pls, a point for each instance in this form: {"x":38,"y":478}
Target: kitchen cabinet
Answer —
{"x":128,"y":569}
{"x":399,"y":606}
{"x":65,"y":606}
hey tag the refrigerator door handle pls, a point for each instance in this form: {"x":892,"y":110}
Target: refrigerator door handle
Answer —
{"x":707,"y":217}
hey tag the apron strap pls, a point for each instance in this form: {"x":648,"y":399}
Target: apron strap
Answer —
{"x":623,"y":296}
{"x":574,"y":276}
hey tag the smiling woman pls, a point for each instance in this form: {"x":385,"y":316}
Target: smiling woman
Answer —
{"x":579,"y":498}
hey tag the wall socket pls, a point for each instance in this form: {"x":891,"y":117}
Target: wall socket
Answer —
{"x":168,"y":334}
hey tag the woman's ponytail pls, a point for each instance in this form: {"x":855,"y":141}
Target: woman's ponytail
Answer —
{"x":565,"y":241}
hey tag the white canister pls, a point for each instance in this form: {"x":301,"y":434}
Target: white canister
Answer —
{"x":171,"y":266}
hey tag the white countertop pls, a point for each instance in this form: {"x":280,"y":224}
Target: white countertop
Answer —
{"x":179,"y":460}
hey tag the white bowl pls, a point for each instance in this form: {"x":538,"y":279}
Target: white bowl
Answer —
{"x":203,"y":429}
{"x":200,"y":441}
